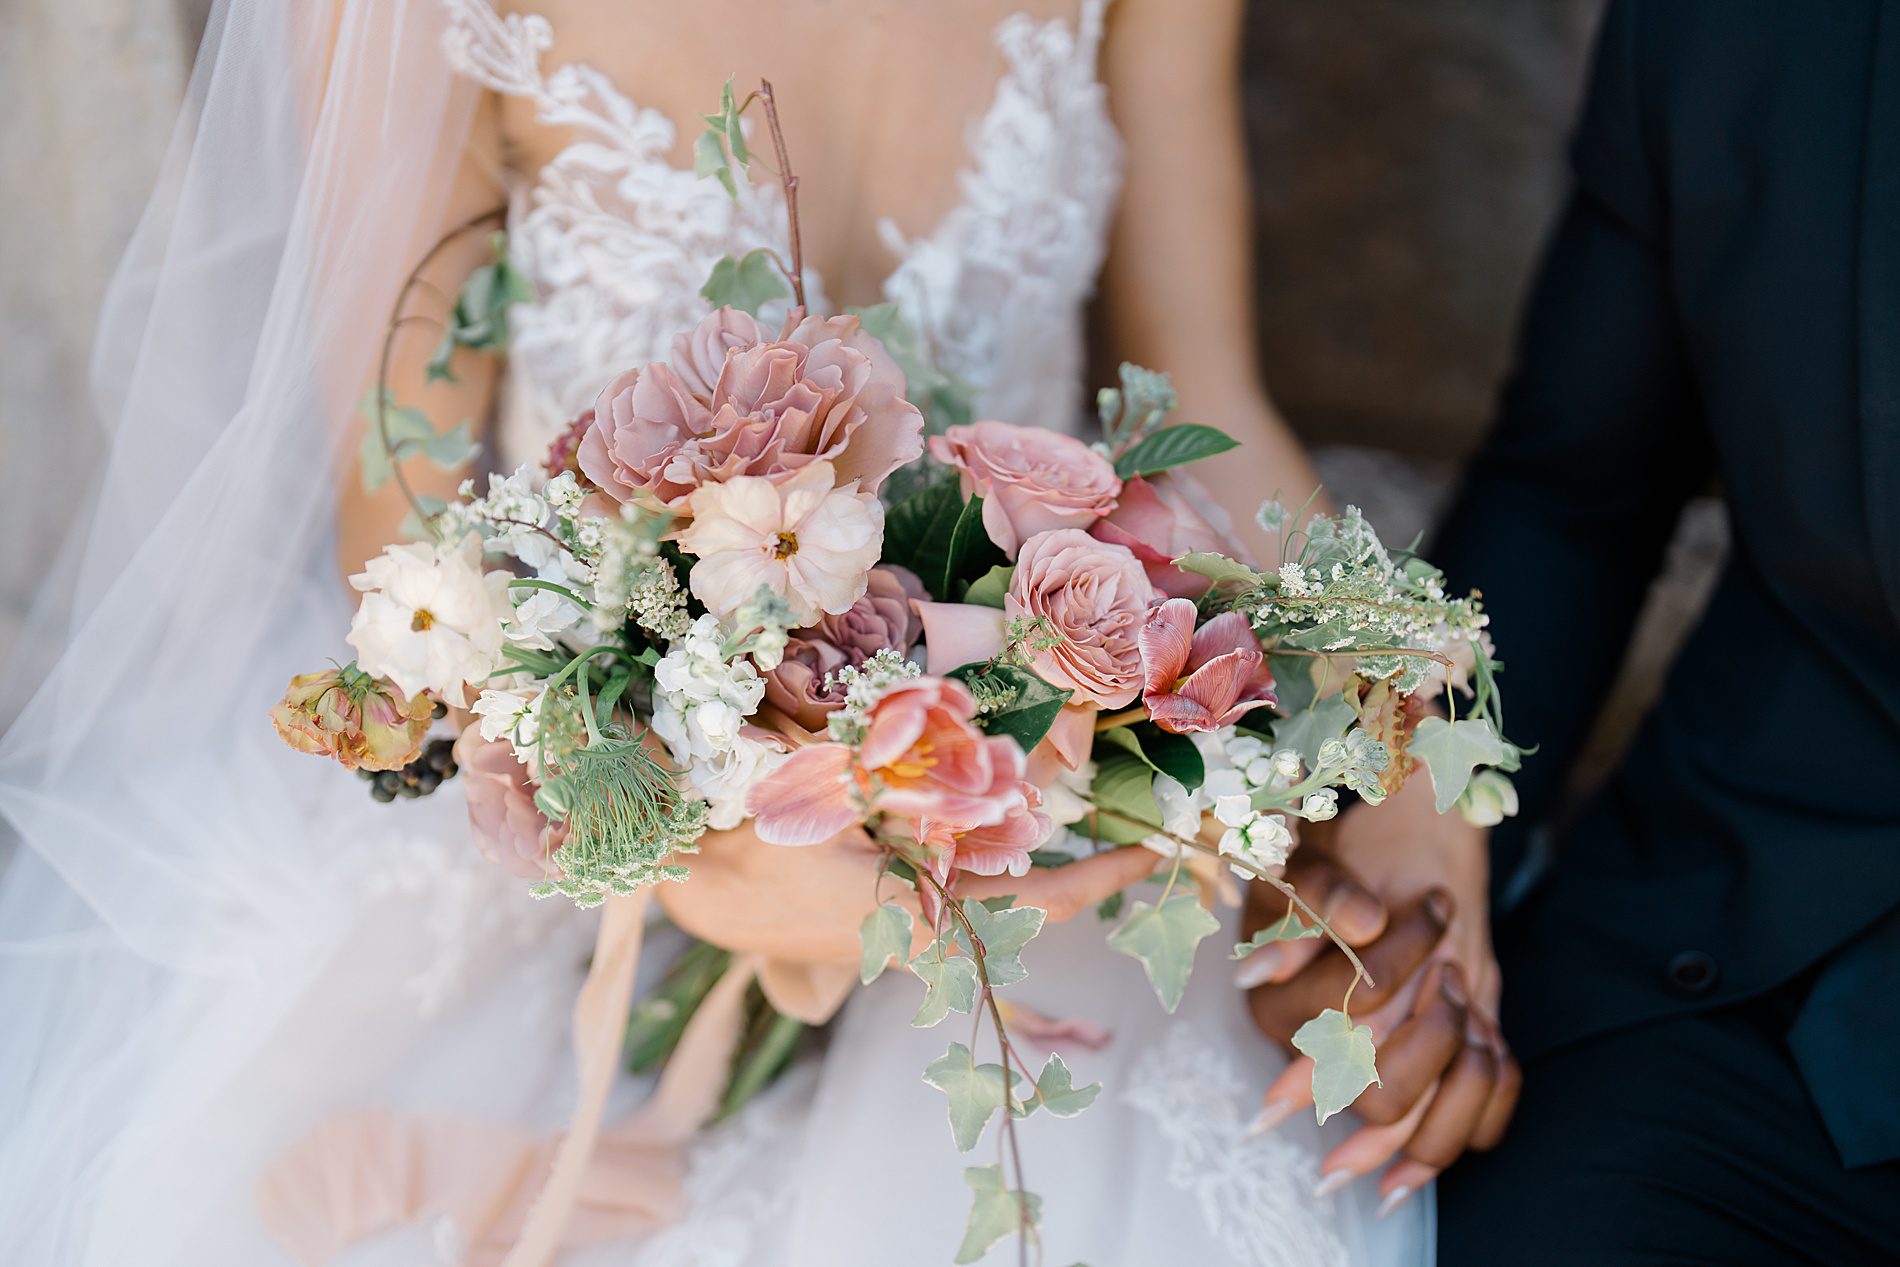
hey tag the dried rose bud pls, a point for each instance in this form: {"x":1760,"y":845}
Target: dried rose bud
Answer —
{"x":564,"y":453}
{"x":363,"y":722}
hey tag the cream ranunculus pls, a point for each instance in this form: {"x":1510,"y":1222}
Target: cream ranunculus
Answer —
{"x":800,"y":537}
{"x":430,"y":618}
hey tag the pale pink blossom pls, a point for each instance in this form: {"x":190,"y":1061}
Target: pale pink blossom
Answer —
{"x":1086,"y":600}
{"x":730,"y":403}
{"x":802,"y":538}
{"x":1031,"y":479}
{"x":507,"y":826}
{"x":800,"y":686}
{"x":1201,"y":679}
{"x":1163,"y":517}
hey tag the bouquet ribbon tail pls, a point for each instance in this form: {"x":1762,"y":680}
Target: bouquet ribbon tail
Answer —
{"x":518,"y":1200}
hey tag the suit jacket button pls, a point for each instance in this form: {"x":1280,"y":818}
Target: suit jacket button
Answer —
{"x":1693,"y":973}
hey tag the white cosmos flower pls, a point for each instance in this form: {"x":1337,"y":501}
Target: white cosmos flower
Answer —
{"x":430,"y":618}
{"x":803,"y":539}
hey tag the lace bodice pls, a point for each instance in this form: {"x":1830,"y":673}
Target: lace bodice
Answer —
{"x":618,"y":240}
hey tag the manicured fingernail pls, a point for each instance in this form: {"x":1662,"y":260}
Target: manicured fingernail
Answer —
{"x":1257,"y":968}
{"x":1329,"y":1184}
{"x":1439,"y":904}
{"x":1350,"y":909}
{"x":1276,"y":1112}
{"x":1393,"y":1200}
{"x":1451,"y":984}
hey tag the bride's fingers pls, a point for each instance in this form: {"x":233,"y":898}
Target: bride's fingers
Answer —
{"x":1293,"y":1089}
{"x":1353,"y":912}
{"x":1071,"y":889}
{"x":1420,"y":1049}
{"x":1369,"y":1148}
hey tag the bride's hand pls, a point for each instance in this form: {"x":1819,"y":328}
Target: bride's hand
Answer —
{"x":805,"y":904}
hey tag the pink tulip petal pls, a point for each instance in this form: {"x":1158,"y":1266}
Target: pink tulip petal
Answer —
{"x":1229,"y":631}
{"x":1241,"y":709}
{"x":1165,"y":642}
{"x":807,"y":800}
{"x":1179,"y":715}
{"x":1218,"y":684}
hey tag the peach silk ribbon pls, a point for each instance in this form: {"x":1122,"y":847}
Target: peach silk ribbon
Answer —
{"x":519,"y":1200}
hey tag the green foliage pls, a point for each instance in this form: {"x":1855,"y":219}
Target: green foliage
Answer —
{"x":1342,"y":1060}
{"x":940,"y":537}
{"x":1295,"y":681}
{"x":1286,"y":928}
{"x":1173,"y":446}
{"x":1164,"y":938}
{"x":723,"y":135}
{"x":997,"y":1211}
{"x":883,"y":939}
{"x":1172,"y":755}
{"x":1305,"y":731}
{"x":1451,"y":750}
{"x":747,"y":283}
{"x":949,"y":983}
{"x":989,"y":589}
{"x":944,"y":399}
{"x":410,"y":434}
{"x":1003,"y":933}
{"x":1056,"y":1091}
{"x":1123,"y":792}
{"x":1029,"y":705}
{"x":479,"y":320}
{"x":975,"y":1092}
{"x":766,"y":1049}
{"x":1128,"y":412}
{"x":1218,"y":568}
{"x":625,"y":815}
{"x":657,"y":1021}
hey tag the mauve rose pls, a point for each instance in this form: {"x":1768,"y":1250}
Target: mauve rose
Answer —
{"x":1093,"y":598}
{"x":1031,"y":480}
{"x":507,"y":827}
{"x":1162,"y":518}
{"x":882,"y":618}
{"x":730,"y":403}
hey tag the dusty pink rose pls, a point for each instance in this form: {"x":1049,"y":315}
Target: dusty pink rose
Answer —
{"x":1031,"y":480}
{"x":731,"y":403}
{"x":509,"y":830}
{"x":1201,"y":679}
{"x":882,"y":617}
{"x":364,"y":722}
{"x":922,"y":758}
{"x":1089,"y":599}
{"x":1162,"y":518}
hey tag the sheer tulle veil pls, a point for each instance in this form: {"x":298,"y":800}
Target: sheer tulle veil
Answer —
{"x":183,"y":877}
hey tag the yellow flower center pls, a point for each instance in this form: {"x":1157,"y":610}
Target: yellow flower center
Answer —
{"x":786,"y":546}
{"x":916,"y":763}
{"x":423,"y":622}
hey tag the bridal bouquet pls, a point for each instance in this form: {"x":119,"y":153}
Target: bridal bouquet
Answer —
{"x":755,"y":588}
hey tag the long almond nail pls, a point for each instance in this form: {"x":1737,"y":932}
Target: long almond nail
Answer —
{"x":1393,"y":1200}
{"x":1276,"y":1112}
{"x":1258,"y":968}
{"x":1329,"y":1184}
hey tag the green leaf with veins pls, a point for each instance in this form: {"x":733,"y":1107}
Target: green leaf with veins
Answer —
{"x":1173,"y":446}
{"x":1286,"y":928}
{"x":1218,"y":568}
{"x":709,"y":159}
{"x":1124,"y":791}
{"x":949,"y":984}
{"x":1032,"y":709}
{"x":988,"y":590}
{"x":1451,"y":750}
{"x":1003,"y":933}
{"x":1342,"y":1060}
{"x":1172,"y":755}
{"x":746,"y":283}
{"x":1305,"y":731}
{"x":1164,"y":938}
{"x":975,"y":1092}
{"x":996,"y":1212}
{"x":1056,"y":1091}
{"x":883,"y":939}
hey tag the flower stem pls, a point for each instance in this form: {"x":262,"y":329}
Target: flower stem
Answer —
{"x":1127,"y":717}
{"x":790,"y":181}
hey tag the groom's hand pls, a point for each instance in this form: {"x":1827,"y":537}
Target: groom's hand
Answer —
{"x":1407,"y":889}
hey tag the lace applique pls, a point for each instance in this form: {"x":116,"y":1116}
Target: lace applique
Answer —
{"x":618,"y":240}
{"x":1254,"y":1192}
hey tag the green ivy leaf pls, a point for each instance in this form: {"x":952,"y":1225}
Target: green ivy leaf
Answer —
{"x":1056,"y":1090}
{"x":1305,"y":731}
{"x":1295,"y":681}
{"x":996,"y":1212}
{"x":944,"y":399}
{"x":709,"y":159}
{"x":1286,"y":928}
{"x":1451,"y":750}
{"x":1124,"y":787}
{"x":747,"y":283}
{"x":449,"y":449}
{"x":1342,"y":1060}
{"x":975,"y":1092}
{"x":1173,"y":446}
{"x":883,"y":939}
{"x":1218,"y":568}
{"x":988,"y":590}
{"x":1029,"y":715}
{"x":949,"y":984}
{"x":1004,"y":933}
{"x":1164,"y":938}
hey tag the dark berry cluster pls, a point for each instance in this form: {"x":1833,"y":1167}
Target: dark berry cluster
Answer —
{"x":419,"y":778}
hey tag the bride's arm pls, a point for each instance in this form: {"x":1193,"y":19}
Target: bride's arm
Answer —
{"x":1177,"y":288}
{"x":368,"y":521}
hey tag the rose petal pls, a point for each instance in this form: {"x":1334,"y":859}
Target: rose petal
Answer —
{"x":959,"y":633}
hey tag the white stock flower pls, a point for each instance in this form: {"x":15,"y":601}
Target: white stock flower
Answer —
{"x":1261,"y":840}
{"x":1066,"y":800}
{"x":541,"y":618}
{"x":1180,"y":817}
{"x":430,"y":618}
{"x":725,"y":779}
{"x":513,"y":714}
{"x":1320,"y":806}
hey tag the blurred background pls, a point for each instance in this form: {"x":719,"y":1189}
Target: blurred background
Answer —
{"x":1407,"y":158}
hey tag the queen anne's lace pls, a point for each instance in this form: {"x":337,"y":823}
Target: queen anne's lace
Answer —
{"x":617,"y":240}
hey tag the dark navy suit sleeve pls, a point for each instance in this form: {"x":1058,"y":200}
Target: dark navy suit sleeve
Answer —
{"x":1567,"y":507}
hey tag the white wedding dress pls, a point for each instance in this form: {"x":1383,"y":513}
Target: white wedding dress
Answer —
{"x":850,"y":1160}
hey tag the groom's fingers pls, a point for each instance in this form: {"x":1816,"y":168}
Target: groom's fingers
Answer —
{"x":1279,"y":1010}
{"x":1068,"y":890}
{"x":1419,"y":1051}
{"x":1503,"y":1101}
{"x":1352,"y":911}
{"x":1447,"y":1127}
